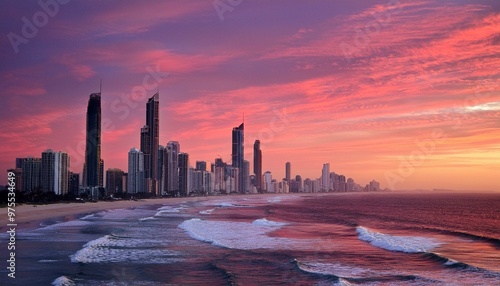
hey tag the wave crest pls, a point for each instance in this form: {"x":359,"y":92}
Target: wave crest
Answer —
{"x":408,"y":244}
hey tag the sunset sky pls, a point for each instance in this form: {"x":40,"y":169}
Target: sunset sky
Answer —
{"x":403,"y":92}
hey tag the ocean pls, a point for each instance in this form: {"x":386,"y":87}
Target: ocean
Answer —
{"x":304,"y":239}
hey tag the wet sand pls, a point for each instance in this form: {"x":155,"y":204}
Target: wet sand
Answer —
{"x":30,"y":216}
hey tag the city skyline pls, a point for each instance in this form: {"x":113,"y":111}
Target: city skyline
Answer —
{"x":378,"y":89}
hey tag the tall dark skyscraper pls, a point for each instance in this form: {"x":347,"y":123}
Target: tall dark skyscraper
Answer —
{"x":91,"y":168}
{"x":288,"y":171}
{"x":183,"y":174}
{"x":257,"y":164}
{"x":237,"y":154}
{"x":32,"y":174}
{"x":150,"y":140}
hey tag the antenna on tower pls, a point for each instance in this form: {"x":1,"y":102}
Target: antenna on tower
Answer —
{"x":100,"y":85}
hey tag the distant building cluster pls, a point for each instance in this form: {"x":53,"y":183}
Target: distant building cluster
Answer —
{"x":158,"y":170}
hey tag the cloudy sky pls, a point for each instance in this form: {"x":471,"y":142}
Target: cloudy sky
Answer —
{"x":403,"y":92}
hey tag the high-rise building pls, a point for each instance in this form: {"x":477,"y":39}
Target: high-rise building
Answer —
{"x":374,"y":186}
{"x":219,"y":175}
{"x":19,"y":162}
{"x":201,"y":166}
{"x":246,"y":176}
{"x":74,"y":184}
{"x":32,"y":174}
{"x":161,"y":169}
{"x":268,"y":182}
{"x":150,"y":142}
{"x":55,"y":172}
{"x":135,"y":178}
{"x":114,"y":181}
{"x":237,"y":154}
{"x":288,"y":172}
{"x":183,"y":174}
{"x":172,"y":167}
{"x":101,"y":173}
{"x":257,"y":164}
{"x":325,"y":177}
{"x":125,"y":182}
{"x":91,"y":174}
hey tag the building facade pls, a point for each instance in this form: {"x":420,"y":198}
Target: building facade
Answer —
{"x":135,"y":177}
{"x":92,"y":177}
{"x":237,"y":154}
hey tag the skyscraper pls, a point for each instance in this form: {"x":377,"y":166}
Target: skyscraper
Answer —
{"x":172,"y":167}
{"x":135,"y":178}
{"x":114,"y":181}
{"x":257,"y":164}
{"x":183,"y":174}
{"x":246,"y":176}
{"x":325,"y":177}
{"x":55,"y":172}
{"x":237,"y":154}
{"x":288,"y":172}
{"x":74,"y":184}
{"x":91,"y":177}
{"x":201,"y":166}
{"x":32,"y":173}
{"x":150,"y":142}
{"x":161,"y":169}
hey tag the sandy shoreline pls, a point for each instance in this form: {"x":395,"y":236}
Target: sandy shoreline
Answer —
{"x":30,"y":216}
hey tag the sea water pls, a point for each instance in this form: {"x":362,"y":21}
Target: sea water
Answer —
{"x":309,"y":239}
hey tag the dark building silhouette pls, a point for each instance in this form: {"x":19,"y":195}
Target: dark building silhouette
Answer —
{"x":161,"y":169}
{"x":183,"y":174}
{"x":149,"y":144}
{"x":74,"y":184}
{"x":201,"y":166}
{"x":237,"y":154}
{"x":92,"y":177}
{"x":114,"y":181}
{"x":32,"y":174}
{"x":19,"y":162}
{"x":288,"y":167}
{"x":257,"y":164}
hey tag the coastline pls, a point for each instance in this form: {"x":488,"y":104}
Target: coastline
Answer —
{"x":30,"y":216}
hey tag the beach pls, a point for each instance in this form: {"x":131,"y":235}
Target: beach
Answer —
{"x":29,"y":216}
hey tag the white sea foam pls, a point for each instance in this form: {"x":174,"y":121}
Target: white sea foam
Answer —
{"x":207,"y":212}
{"x":147,"y":218}
{"x":88,"y":217}
{"x":238,"y":235}
{"x":171,"y":209}
{"x":110,"y":248}
{"x":269,"y":223}
{"x":451,"y":262}
{"x":409,"y":244}
{"x":227,"y":205}
{"x":275,"y":200}
{"x":63,"y":281}
{"x":166,"y":211}
{"x":337,"y":269}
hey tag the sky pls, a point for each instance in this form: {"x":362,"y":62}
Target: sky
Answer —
{"x":403,"y":92}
